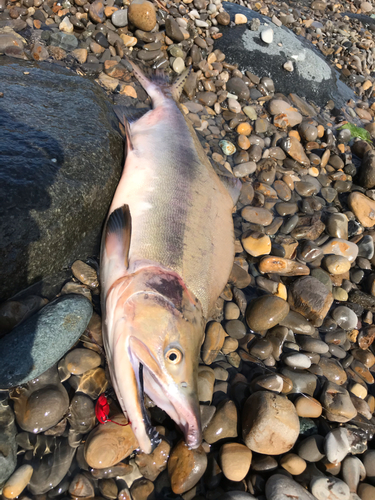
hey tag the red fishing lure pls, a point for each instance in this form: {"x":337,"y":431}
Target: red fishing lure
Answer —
{"x":102,"y":411}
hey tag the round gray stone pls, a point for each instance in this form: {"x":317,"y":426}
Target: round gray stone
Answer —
{"x":38,"y":343}
{"x":120,"y":18}
{"x":280,"y":487}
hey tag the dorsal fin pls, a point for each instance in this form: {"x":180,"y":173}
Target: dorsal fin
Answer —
{"x":118,"y":234}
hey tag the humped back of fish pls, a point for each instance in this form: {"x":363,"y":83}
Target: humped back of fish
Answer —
{"x":167,"y":253}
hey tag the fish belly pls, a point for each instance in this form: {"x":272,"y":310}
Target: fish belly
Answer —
{"x":181,"y":213}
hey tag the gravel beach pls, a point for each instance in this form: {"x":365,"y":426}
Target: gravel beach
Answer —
{"x":281,"y":96}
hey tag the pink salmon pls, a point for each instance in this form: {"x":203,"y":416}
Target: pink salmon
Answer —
{"x":167,"y":252}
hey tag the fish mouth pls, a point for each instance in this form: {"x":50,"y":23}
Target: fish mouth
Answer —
{"x":183,"y":411}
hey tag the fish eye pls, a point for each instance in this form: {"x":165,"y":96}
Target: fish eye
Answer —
{"x":173,"y":355}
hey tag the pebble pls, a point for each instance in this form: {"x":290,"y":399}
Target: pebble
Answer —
{"x":292,"y":463}
{"x":366,"y":491}
{"x":267,"y":35}
{"x":213,"y":342}
{"x":284,"y":114}
{"x":336,"y":264}
{"x":270,"y":423}
{"x":311,"y":449}
{"x":256,"y":244}
{"x":38,"y":343}
{"x":223,"y":424}
{"x":240,"y":19}
{"x":8,"y":431}
{"x":150,"y":466}
{"x":108,"y":444}
{"x":308,"y":407}
{"x":363,"y":208}
{"x":142,"y":14}
{"x":344,"y":248}
{"x":282,"y":266}
{"x":265,"y":312}
{"x":235,"y":459}
{"x":255,"y":215}
{"x":120,"y":18}
{"x":329,"y":488}
{"x":281,"y":487}
{"x":79,"y":361}
{"x":345,"y":317}
{"x":186,"y":467}
{"x":41,"y":403}
{"x":309,"y":297}
{"x":18,"y":481}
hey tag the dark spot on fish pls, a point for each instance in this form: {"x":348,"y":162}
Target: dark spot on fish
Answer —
{"x":170,"y":288}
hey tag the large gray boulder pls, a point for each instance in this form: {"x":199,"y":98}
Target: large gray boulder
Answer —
{"x":61,"y":158}
{"x":312,"y":77}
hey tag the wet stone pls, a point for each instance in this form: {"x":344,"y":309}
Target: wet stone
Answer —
{"x":81,"y":486}
{"x":108,"y":444}
{"x":18,"y":481}
{"x":270,"y":423}
{"x":224,"y":423}
{"x":150,"y":466}
{"x":235,"y":329}
{"x":303,"y":381}
{"x":213,"y":342}
{"x":50,"y":470}
{"x":309,"y":297}
{"x":345,"y":317}
{"x":308,"y":407}
{"x":41,"y":403}
{"x":337,"y":403}
{"x":256,"y":215}
{"x":265,"y":312}
{"x":81,"y":414}
{"x":324,"y":488}
{"x":311,"y":449}
{"x":186,"y":467}
{"x":79,"y":361}
{"x":92,"y":382}
{"x":8,"y":445}
{"x":281,"y":487}
{"x":38,"y":343}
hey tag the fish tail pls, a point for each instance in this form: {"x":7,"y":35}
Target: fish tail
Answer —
{"x":157,"y":84}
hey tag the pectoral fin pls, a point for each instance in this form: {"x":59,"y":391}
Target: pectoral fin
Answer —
{"x":118,"y":234}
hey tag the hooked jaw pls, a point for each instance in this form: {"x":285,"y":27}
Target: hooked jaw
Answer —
{"x":142,"y":373}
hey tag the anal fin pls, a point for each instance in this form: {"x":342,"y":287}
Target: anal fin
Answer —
{"x":118,"y":234}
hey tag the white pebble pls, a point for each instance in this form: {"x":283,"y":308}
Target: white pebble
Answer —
{"x":234,"y":106}
{"x":178,"y":65}
{"x":201,"y":24}
{"x":297,"y":360}
{"x":267,"y":35}
{"x":288,"y":66}
{"x":66,"y":26}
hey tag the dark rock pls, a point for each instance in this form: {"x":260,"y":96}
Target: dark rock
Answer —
{"x":8,"y":445}
{"x":173,"y":30}
{"x":309,"y":297}
{"x":61,"y":150}
{"x":312,"y":76}
{"x":366,"y":176}
{"x":363,"y":299}
{"x":38,"y":343}
{"x":64,"y":41}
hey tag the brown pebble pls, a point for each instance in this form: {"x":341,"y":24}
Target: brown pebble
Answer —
{"x":235,"y":459}
{"x":186,"y":467}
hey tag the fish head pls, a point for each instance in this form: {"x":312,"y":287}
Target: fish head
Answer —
{"x":157,"y":353}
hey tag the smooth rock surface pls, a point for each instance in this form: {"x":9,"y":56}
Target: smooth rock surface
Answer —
{"x":270,"y":423}
{"x":38,"y":343}
{"x":47,"y":159}
{"x":281,"y":487}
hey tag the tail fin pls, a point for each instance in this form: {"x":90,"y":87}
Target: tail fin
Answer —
{"x":157,"y":84}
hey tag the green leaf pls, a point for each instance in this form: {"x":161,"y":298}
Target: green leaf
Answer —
{"x":355,"y":131}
